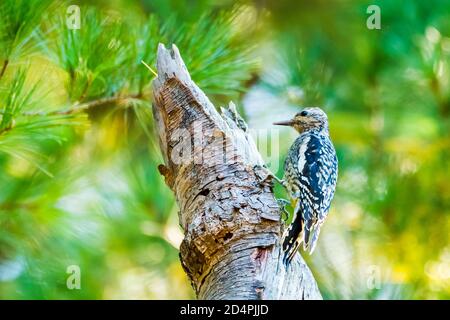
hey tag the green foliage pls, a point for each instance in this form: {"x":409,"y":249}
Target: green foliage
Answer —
{"x":19,"y":133}
{"x":93,"y":56}
{"x":216,"y":57}
{"x":20,"y":19}
{"x":69,"y":195}
{"x":16,"y":99}
{"x":144,"y":44}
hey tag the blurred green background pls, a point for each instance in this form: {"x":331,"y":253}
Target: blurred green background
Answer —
{"x":78,"y":178}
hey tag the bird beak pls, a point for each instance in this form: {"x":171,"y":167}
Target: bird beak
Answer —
{"x":288,"y":123}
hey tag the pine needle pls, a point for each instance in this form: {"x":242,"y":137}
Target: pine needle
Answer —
{"x":149,"y":68}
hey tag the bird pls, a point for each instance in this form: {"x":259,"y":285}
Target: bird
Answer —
{"x":310,"y":177}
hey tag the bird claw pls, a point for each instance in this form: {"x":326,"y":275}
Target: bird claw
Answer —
{"x":269,"y":173}
{"x":283,"y":203}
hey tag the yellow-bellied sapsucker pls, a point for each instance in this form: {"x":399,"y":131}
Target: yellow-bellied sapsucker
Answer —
{"x":310,"y":175}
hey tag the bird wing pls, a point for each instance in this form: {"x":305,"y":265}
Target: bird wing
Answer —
{"x":318,"y":177}
{"x":315,"y":179}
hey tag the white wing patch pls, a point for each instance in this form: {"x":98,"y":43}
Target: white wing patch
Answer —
{"x":302,"y":154}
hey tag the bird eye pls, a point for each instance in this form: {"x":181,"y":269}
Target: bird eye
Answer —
{"x":303,"y":113}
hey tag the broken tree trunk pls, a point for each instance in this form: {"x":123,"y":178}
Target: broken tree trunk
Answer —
{"x":230,"y":217}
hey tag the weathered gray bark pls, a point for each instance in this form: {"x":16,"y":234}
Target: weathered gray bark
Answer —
{"x":228,"y":212}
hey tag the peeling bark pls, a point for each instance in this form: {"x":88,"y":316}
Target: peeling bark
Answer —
{"x":230,"y":217}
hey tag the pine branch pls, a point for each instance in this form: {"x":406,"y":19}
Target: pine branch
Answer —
{"x":80,"y":107}
{"x":4,"y":66}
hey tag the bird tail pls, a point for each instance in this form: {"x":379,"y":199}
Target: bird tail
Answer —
{"x":292,"y":240}
{"x":299,"y":232}
{"x":314,"y":237}
{"x":311,"y":234}
{"x":293,"y":236}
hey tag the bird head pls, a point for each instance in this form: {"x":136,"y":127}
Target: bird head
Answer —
{"x":307,"y":119}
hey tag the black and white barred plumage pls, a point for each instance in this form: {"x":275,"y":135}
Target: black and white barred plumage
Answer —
{"x":310,"y":176}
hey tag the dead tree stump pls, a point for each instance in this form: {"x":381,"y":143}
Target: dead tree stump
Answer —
{"x":230,"y":217}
